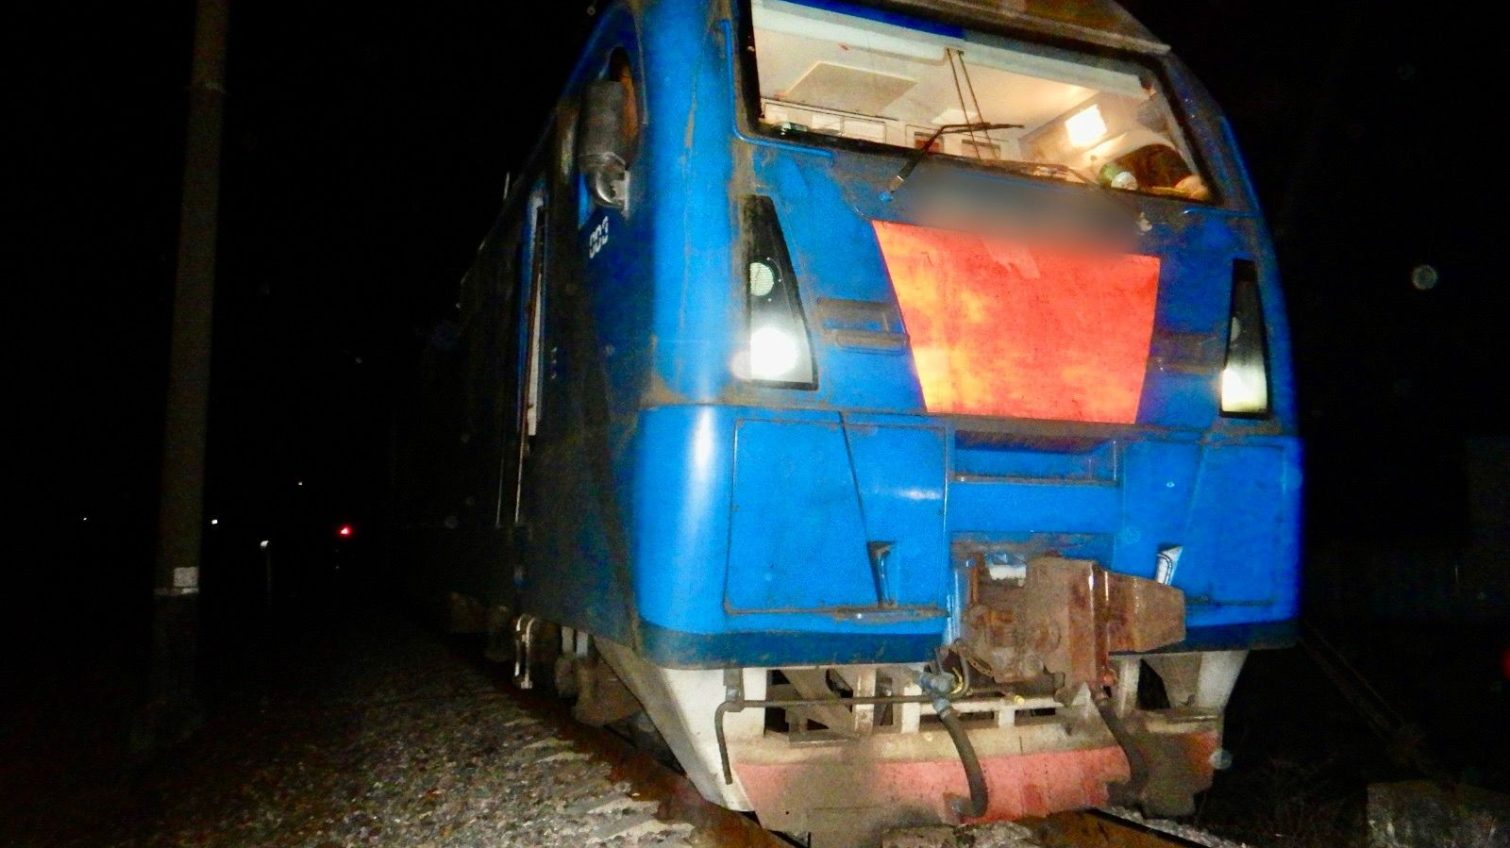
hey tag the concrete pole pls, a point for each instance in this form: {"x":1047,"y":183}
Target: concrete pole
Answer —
{"x":172,"y":711}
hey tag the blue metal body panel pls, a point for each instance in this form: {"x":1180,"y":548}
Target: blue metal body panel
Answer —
{"x":758,"y":524}
{"x":749,"y":519}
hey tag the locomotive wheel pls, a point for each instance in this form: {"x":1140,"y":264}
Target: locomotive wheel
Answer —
{"x":564,"y":676}
{"x":545,"y":649}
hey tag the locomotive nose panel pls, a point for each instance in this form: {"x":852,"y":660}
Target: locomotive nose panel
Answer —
{"x":868,"y":537}
{"x":1006,"y":329}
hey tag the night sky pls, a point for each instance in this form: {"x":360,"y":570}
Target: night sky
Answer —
{"x":365,"y":155}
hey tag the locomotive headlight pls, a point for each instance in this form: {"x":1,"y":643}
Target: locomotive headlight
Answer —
{"x":774,"y":353}
{"x":777,"y":349}
{"x":1245,"y":376}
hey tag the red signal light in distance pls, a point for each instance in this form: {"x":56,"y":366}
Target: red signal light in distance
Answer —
{"x":345,"y":532}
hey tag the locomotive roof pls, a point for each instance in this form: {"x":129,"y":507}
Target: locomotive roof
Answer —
{"x":1098,"y":21}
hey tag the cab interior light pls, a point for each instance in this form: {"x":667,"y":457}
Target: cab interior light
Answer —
{"x":1085,"y":127}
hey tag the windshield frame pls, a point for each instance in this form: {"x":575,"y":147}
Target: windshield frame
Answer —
{"x":748,"y":111}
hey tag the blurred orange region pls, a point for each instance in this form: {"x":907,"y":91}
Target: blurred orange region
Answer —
{"x":1008,"y":329}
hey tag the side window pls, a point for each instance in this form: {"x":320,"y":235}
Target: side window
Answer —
{"x":532,"y":275}
{"x":529,"y":364}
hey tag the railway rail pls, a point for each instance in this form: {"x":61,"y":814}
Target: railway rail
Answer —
{"x":1107,"y":829}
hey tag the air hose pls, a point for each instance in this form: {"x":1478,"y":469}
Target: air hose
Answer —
{"x":975,"y":806}
{"x":944,"y":687}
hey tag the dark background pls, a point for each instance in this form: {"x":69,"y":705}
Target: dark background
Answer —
{"x":365,"y":155}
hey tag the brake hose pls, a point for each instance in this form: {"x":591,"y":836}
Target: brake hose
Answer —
{"x":943,"y":687}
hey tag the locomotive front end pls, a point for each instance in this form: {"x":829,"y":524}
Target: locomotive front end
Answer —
{"x":968,"y":494}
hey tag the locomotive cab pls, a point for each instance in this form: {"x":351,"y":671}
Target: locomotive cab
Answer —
{"x":900,"y":407}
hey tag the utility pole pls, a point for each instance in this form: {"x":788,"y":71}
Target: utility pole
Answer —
{"x":172,"y":710}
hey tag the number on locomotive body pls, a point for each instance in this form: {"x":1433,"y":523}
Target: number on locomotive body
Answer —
{"x":598,"y":238}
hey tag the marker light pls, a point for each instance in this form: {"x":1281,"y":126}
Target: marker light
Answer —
{"x":778,"y":350}
{"x":762,"y":279}
{"x":1086,"y":126}
{"x":1245,"y":377}
{"x":345,"y":531}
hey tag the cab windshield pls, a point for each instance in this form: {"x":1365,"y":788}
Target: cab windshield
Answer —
{"x":865,"y":77}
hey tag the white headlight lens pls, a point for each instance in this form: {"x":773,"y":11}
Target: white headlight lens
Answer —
{"x":1245,"y":377}
{"x":773,"y":353}
{"x":1245,"y":388}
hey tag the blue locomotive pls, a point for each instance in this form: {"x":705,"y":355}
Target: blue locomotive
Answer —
{"x":892,"y":402}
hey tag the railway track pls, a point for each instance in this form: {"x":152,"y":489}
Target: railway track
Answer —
{"x":1078,"y":829}
{"x":373,"y":731}
{"x":572,"y":784}
{"x":1107,"y":829}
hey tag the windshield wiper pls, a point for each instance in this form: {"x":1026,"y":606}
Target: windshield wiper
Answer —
{"x":917,"y":155}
